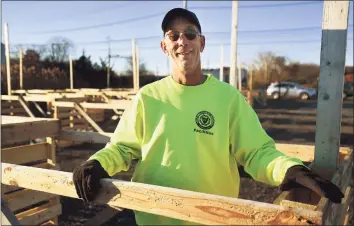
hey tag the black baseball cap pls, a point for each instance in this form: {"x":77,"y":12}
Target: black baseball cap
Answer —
{"x":180,"y":12}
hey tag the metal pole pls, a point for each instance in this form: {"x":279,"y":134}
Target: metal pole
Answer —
{"x":221,"y":77}
{"x":7,"y":49}
{"x":21,"y":70}
{"x":185,"y":4}
{"x":233,"y":61}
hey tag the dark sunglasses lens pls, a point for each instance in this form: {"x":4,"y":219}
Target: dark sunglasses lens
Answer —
{"x":190,"y":35}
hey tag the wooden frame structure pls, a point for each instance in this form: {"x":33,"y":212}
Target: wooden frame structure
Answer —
{"x":30,"y":207}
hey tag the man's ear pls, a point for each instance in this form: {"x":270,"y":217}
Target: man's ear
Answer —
{"x":163,"y":47}
{"x":202,"y":43}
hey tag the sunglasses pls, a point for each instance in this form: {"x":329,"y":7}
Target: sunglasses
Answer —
{"x":189,"y":34}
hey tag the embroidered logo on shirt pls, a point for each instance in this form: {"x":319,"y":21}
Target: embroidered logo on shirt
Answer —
{"x":205,"y":121}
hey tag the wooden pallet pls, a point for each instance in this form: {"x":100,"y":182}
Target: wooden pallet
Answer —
{"x":30,"y":207}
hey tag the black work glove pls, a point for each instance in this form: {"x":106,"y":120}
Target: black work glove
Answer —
{"x":87,"y":178}
{"x":298,"y":176}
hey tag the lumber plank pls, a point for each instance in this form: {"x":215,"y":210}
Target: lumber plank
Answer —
{"x":10,"y":188}
{"x":186,"y":205}
{"x":303,"y":152}
{"x":87,"y":137}
{"x":17,"y":129}
{"x":92,"y":123}
{"x":25,"y":107}
{"x":26,"y":197}
{"x":38,"y":98}
{"x":25,"y":154}
{"x":13,"y":110}
{"x":7,"y":217}
{"x":8,"y":97}
{"x":117,"y":104}
{"x":39,"y":214}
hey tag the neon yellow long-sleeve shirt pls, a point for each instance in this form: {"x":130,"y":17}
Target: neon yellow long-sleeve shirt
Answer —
{"x":192,"y":138}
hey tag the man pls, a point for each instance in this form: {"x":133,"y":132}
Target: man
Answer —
{"x":191,"y":131}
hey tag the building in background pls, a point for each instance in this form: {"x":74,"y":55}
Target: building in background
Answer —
{"x":216,"y":74}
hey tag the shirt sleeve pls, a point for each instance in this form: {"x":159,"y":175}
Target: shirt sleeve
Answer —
{"x":125,"y":144}
{"x":253,"y":148}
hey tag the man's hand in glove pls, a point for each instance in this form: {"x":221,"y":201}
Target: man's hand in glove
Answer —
{"x":299,"y":175}
{"x":87,"y":179}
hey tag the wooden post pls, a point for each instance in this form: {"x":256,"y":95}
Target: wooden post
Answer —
{"x":221,"y":77}
{"x":7,"y":49}
{"x":329,"y":104}
{"x":233,"y":61}
{"x":250,"y":82}
{"x":239,"y":76}
{"x":21,"y":70}
{"x":134,"y":64}
{"x":108,"y":70}
{"x":71,"y":73}
{"x":137,"y":68}
{"x":109,"y":63}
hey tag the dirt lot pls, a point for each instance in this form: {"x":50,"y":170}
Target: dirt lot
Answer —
{"x":287,"y":121}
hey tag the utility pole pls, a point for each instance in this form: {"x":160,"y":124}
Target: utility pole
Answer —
{"x":221,"y":77}
{"x":329,"y":103}
{"x":233,"y":61}
{"x":185,"y":4}
{"x":109,"y":63}
{"x":134,"y":64}
{"x":7,"y":49}
{"x":21,"y":70}
{"x":71,"y":73}
{"x":137,"y":68}
{"x":239,"y":75}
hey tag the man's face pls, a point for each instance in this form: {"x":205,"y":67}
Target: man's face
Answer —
{"x":183,"y":43}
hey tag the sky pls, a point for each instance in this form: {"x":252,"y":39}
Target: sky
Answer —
{"x":88,"y":24}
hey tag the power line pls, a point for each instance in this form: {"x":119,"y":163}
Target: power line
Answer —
{"x":100,"y":25}
{"x":258,"y":6}
{"x":207,"y":33}
{"x":162,"y":13}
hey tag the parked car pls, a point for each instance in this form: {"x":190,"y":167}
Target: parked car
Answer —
{"x":290,"y":89}
{"x":348,"y":90}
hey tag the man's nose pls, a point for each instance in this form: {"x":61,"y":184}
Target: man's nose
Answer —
{"x":182,"y":40}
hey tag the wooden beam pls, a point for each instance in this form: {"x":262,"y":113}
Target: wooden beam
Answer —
{"x":7,"y":217}
{"x":17,"y":129}
{"x":332,"y":63}
{"x":8,"y":66}
{"x":117,"y":104}
{"x":24,"y":105}
{"x":87,"y":137}
{"x":38,"y":98}
{"x":81,"y":111}
{"x":25,"y":153}
{"x":63,"y":104}
{"x":39,"y":214}
{"x":185,"y":205}
{"x":8,"y":97}
{"x":24,"y":198}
